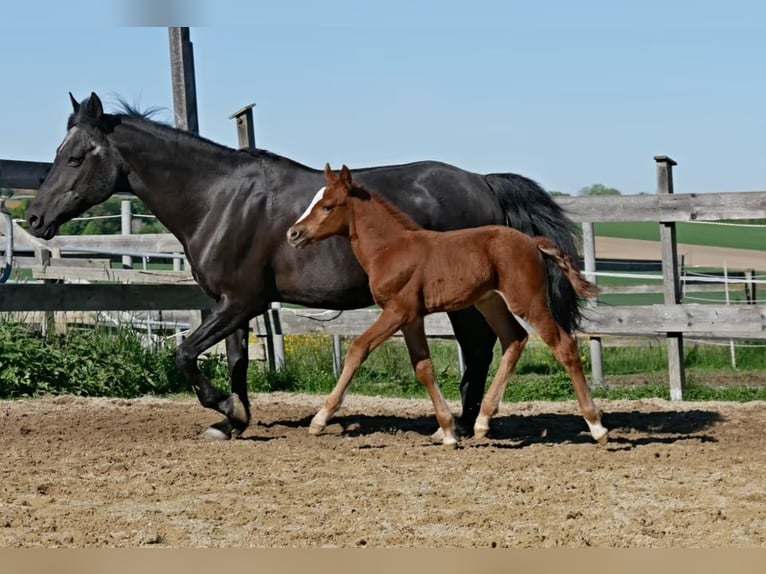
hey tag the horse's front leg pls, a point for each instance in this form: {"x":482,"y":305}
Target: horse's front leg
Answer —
{"x":224,"y":320}
{"x":237,"y":359}
{"x":388,"y":323}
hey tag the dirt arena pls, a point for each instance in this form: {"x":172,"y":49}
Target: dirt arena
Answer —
{"x":95,"y":472}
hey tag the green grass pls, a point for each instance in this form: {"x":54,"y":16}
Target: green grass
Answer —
{"x":632,"y":373}
{"x":109,"y":361}
{"x":692,"y":233}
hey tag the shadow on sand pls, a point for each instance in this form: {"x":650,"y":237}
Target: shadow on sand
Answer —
{"x":519,"y":431}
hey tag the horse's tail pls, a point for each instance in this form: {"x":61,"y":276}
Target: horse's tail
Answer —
{"x":580,"y":284}
{"x":530,"y":209}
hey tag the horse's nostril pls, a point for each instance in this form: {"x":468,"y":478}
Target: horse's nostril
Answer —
{"x":33,"y":221}
{"x":293,"y":233}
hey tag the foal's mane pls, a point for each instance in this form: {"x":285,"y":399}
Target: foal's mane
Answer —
{"x":359,"y":192}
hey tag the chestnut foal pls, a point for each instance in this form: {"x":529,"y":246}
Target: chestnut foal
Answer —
{"x":414,"y":272}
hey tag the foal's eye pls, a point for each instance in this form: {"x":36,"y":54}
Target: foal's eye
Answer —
{"x":74,"y":161}
{"x":328,"y":208}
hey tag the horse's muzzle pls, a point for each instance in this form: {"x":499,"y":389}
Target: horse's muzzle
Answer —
{"x":296,"y":237}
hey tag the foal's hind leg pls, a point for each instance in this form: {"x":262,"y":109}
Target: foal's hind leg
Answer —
{"x":564,"y":347}
{"x":513,"y":338}
{"x":420,"y":355}
{"x":388,"y":323}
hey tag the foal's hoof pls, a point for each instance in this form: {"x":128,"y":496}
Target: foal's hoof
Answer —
{"x":450,"y":442}
{"x":316,"y":429}
{"x":480,"y":433}
{"x":602,"y":440}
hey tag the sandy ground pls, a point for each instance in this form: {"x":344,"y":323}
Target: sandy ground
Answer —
{"x":95,"y":472}
{"x":694,"y":255}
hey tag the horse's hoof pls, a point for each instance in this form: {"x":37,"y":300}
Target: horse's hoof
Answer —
{"x":315,"y":429}
{"x":438,"y":436}
{"x":603,"y":439}
{"x":480,"y":432}
{"x":237,"y":411}
{"x":450,"y":442}
{"x":214,"y":434}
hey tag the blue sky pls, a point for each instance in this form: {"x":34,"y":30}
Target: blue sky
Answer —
{"x":568,"y":93}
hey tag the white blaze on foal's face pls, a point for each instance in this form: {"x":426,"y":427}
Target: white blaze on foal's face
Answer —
{"x":317,"y":198}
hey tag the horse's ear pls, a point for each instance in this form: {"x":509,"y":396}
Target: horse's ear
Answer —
{"x":345,"y":175}
{"x":328,"y":173}
{"x":94,"y":109}
{"x":75,"y":103}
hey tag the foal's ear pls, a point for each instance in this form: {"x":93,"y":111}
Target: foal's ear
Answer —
{"x":328,"y":173}
{"x":75,"y":103}
{"x":93,"y":108}
{"x":345,"y":175}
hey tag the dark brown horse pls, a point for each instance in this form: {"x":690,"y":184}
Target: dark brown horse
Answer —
{"x":230,"y":210}
{"x":414,"y":272}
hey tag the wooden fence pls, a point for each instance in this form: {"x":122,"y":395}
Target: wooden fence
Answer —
{"x":175,"y":290}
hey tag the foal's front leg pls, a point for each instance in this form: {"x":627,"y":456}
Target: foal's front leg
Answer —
{"x":388,"y":323}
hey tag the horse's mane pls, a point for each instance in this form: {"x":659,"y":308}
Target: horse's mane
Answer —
{"x":125,"y":110}
{"x":402,"y":218}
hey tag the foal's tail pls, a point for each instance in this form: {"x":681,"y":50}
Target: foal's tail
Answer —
{"x":580,"y":284}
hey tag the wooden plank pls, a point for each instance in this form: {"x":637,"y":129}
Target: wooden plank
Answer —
{"x":675,"y":207}
{"x":15,"y":174}
{"x":746,"y":320}
{"x":113,"y":275}
{"x":146,"y":242}
{"x":64,"y":263}
{"x":658,"y":288}
{"x":63,"y":297}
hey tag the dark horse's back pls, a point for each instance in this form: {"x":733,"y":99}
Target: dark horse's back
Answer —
{"x":427,"y":190}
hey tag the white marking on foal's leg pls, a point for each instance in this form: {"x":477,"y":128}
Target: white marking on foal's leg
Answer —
{"x":317,"y":199}
{"x":481,"y":426}
{"x":598,"y":432}
{"x":319,"y":422}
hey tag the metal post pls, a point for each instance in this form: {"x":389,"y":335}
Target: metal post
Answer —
{"x":184,"y":87}
{"x":732,"y":350}
{"x":589,"y":263}
{"x":126,"y":228}
{"x":337,"y":355}
{"x":671,"y":282}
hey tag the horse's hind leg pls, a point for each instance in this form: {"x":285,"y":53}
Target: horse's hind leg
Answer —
{"x":224,"y":320}
{"x":420,"y":356}
{"x":477,"y":341}
{"x":564,"y":347}
{"x":388,"y":323}
{"x":513,"y":338}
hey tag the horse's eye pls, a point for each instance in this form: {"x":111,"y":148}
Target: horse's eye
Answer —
{"x":328,"y":208}
{"x":74,"y":161}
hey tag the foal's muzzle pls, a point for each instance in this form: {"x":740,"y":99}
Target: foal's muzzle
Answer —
{"x":296,"y":237}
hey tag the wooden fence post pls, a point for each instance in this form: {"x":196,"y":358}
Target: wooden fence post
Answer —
{"x":184,"y":96}
{"x":589,"y":263}
{"x":750,"y":293}
{"x":671,"y":282}
{"x":275,"y":346}
{"x":184,"y":86}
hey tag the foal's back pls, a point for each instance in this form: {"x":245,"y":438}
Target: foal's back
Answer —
{"x":448,"y":271}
